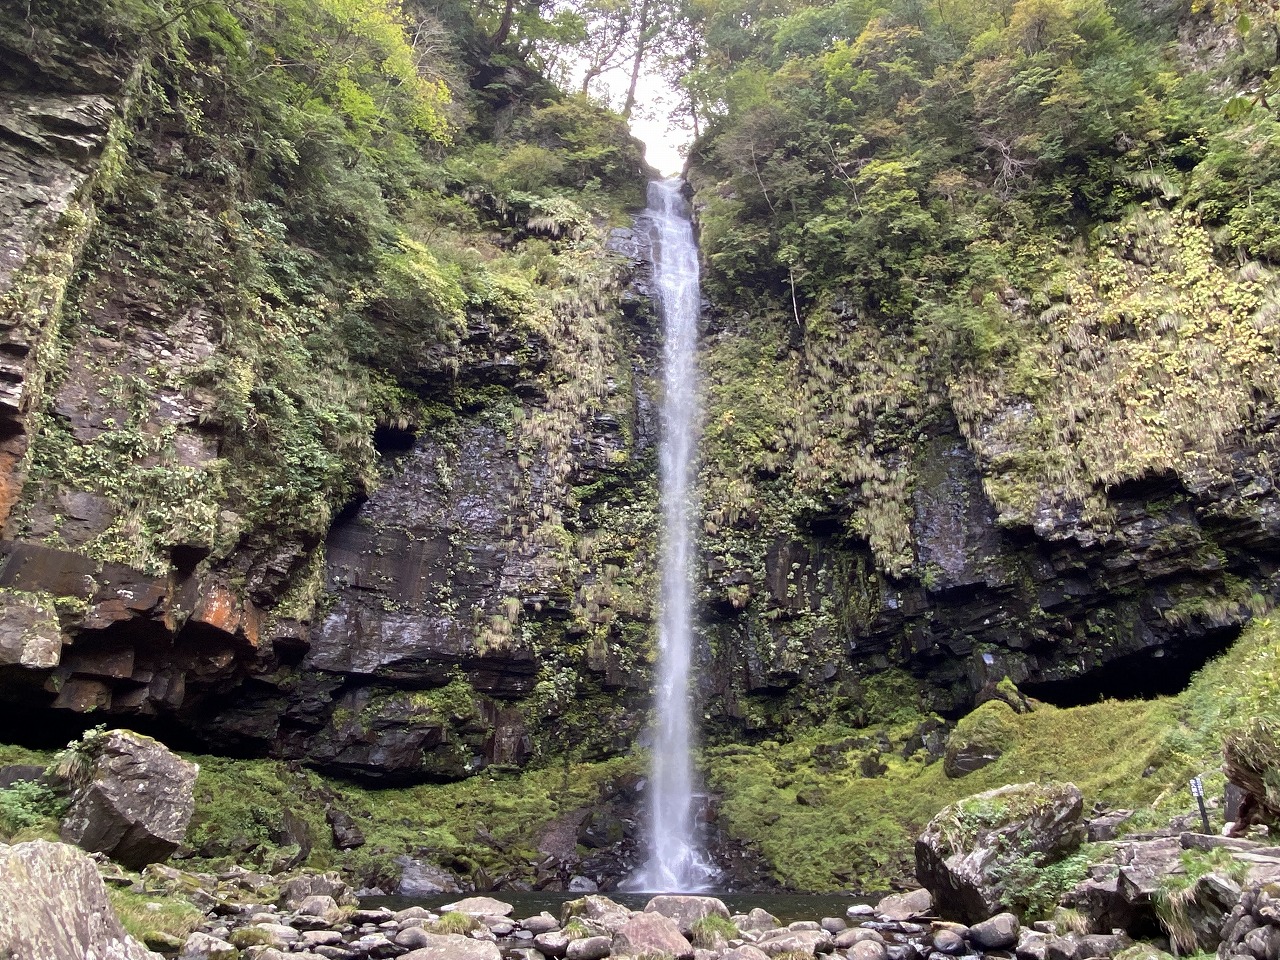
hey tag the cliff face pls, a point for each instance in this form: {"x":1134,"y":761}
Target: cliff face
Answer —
{"x":295,"y":487}
{"x":308,"y":456}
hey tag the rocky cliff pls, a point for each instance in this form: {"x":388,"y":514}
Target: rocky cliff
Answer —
{"x":304,"y":454}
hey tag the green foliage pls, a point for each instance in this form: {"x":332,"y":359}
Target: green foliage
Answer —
{"x":455,"y":922}
{"x":145,"y":915}
{"x":28,"y":804}
{"x":706,"y":930}
{"x":811,"y":812}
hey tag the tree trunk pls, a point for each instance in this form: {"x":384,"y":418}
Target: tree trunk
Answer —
{"x":642,"y":43}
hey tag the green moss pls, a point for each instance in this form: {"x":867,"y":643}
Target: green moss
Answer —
{"x":455,"y":922}
{"x":145,"y":915}
{"x":706,"y":930}
{"x":856,"y":832}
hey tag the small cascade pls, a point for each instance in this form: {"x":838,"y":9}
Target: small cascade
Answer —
{"x":676,"y":862}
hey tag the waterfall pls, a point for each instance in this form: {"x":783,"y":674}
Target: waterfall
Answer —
{"x":675,"y":861}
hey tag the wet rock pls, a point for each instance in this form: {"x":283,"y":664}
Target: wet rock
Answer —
{"x":479,"y":907}
{"x":960,"y":855}
{"x":949,"y":942}
{"x":847,"y":938}
{"x":651,"y":933}
{"x":1032,"y":945}
{"x":553,"y":943}
{"x":54,"y":906}
{"x":806,"y":942}
{"x":542,"y":923}
{"x":418,"y":878}
{"x":135,"y":802}
{"x":833,"y":925}
{"x":906,"y":906}
{"x":998,"y":933}
{"x":687,"y":910}
{"x":868,"y":950}
{"x":454,"y":947}
{"x":589,"y":948}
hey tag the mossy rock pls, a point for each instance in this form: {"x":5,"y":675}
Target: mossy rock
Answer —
{"x":981,"y":738}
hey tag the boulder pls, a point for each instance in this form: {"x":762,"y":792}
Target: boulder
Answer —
{"x":905,"y":906}
{"x":135,"y":801}
{"x":998,"y":933}
{"x":804,"y":942}
{"x":687,"y":910}
{"x":965,"y":854}
{"x":746,"y":952}
{"x":421,"y":879}
{"x":649,"y":933}
{"x":54,"y":906}
{"x":347,"y":834}
{"x":847,"y":938}
{"x":479,"y":907}
{"x":948,"y":941}
{"x":295,"y":891}
{"x":553,"y":943}
{"x":603,"y":911}
{"x":542,"y":923}
{"x":205,"y":946}
{"x":589,"y":948}
{"x":755,"y":921}
{"x":868,"y":950}
{"x":450,"y":946}
{"x":322,"y":906}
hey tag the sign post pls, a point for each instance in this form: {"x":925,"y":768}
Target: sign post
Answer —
{"x":1197,"y":791}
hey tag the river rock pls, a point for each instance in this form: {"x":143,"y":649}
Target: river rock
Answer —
{"x":964,"y":851}
{"x":806,"y":942}
{"x":948,"y":941}
{"x":833,"y":925}
{"x":847,"y":938}
{"x":553,"y":943}
{"x":54,"y":906}
{"x":451,"y":946}
{"x":542,"y":923}
{"x":867,"y":950}
{"x":745,"y":952}
{"x":589,"y":948}
{"x":905,"y":906}
{"x":646,"y":933}
{"x":297,"y":889}
{"x":687,"y":910}
{"x":204,"y":946}
{"x":322,"y":906}
{"x":479,"y":907}
{"x":997,"y":933}
{"x":757,"y":920}
{"x":421,"y":879}
{"x":135,"y":802}
{"x":604,"y":912}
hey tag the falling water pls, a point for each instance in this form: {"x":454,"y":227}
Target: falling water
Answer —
{"x":675,"y":861}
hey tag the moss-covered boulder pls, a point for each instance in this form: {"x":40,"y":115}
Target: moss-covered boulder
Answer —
{"x":981,"y":738}
{"x":978,"y":855}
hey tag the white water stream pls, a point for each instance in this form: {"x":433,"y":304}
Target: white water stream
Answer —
{"x":676,"y":862}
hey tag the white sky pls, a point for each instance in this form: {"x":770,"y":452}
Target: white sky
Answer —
{"x":652,"y":120}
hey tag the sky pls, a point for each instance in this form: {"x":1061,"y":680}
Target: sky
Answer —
{"x":652,"y":120}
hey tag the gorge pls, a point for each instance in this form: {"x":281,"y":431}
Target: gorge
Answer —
{"x":332,"y":395}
